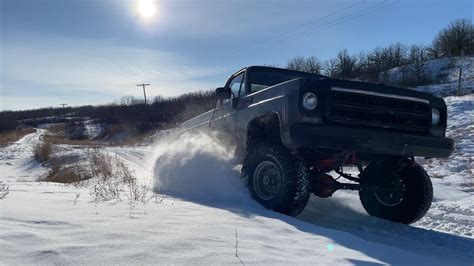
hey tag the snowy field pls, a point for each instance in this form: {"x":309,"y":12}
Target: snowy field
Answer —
{"x":203,"y":214}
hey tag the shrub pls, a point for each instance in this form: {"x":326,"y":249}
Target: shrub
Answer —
{"x":42,"y":151}
{"x":65,"y":175}
{"x":4,"y":190}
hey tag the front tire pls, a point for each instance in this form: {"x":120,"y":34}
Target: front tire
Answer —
{"x":277,"y":178}
{"x":407,"y":205}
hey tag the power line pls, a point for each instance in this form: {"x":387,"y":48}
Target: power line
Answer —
{"x":294,"y":36}
{"x":339,"y":20}
{"x":291,"y":30}
{"x":313,"y":30}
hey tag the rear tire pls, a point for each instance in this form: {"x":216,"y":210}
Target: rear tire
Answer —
{"x":407,"y":206}
{"x":277,"y":178}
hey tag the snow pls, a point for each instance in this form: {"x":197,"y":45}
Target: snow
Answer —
{"x":448,"y":89}
{"x":92,"y":129}
{"x":203,"y":210}
{"x":444,"y":73}
{"x":453,"y":178}
{"x":17,"y":162}
{"x":442,"y":70}
{"x":196,"y":167}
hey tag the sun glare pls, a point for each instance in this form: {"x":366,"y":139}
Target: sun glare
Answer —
{"x":146,"y":8}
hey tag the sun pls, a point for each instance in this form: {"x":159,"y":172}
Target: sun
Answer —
{"x":146,"y":8}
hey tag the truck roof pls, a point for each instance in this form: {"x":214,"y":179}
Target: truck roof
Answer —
{"x":277,"y":69}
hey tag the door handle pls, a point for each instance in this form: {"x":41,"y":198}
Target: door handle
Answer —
{"x":248,"y":100}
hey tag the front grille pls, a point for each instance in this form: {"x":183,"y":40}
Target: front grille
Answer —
{"x":366,"y":108}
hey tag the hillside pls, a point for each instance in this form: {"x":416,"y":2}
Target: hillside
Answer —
{"x":442,"y":75}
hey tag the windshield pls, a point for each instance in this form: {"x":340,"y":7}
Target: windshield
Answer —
{"x":264,"y":78}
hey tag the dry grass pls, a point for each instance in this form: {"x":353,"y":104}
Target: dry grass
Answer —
{"x":58,"y":139}
{"x":65,"y":175}
{"x":96,"y":163}
{"x":43,"y":151}
{"x":107,"y":177}
{"x":130,"y":135}
{"x":12,"y":136}
{"x":115,"y":135}
{"x":136,"y":139}
{"x":101,"y":165}
{"x":4,"y":190}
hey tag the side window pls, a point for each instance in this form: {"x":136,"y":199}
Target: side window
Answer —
{"x":235,"y":85}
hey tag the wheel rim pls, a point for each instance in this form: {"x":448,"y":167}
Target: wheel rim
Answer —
{"x":267,"y":180}
{"x":392,"y":198}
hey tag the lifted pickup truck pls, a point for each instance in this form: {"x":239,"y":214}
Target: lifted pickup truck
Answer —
{"x":292,"y":128}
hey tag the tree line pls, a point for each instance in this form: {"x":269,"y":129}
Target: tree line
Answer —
{"x":457,"y":39}
{"x":160,"y":113}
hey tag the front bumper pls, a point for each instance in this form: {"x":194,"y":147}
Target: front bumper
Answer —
{"x":369,"y":141}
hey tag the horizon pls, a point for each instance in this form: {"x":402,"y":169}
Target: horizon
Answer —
{"x":94,"y":53}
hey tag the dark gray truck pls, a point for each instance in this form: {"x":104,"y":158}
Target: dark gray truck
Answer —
{"x":292,"y":128}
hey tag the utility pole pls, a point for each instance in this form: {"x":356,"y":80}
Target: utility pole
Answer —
{"x":143,"y":85}
{"x":459,"y":82}
{"x":145,"y":115}
{"x":64,"y":118}
{"x":64,"y":107}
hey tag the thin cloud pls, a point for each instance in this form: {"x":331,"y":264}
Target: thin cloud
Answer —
{"x":79,"y":64}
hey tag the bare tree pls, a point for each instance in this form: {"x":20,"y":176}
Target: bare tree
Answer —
{"x":394,"y":55}
{"x":345,"y":65}
{"x":310,"y":64}
{"x":362,"y":66}
{"x":313,"y":65}
{"x":375,"y":64}
{"x":129,"y":100}
{"x":417,"y":65}
{"x":297,"y":63}
{"x":330,"y":68}
{"x":455,"y":40}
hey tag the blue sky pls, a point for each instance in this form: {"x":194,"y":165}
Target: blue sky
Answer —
{"x":96,"y":51}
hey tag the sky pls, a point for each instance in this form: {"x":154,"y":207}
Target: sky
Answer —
{"x":84,"y":52}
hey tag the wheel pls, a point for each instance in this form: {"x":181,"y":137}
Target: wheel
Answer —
{"x":407,"y":191}
{"x":277,"y":178}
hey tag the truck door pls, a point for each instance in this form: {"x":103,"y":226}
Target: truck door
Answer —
{"x":225,"y":117}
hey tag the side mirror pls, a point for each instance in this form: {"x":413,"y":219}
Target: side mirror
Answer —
{"x":223,"y":93}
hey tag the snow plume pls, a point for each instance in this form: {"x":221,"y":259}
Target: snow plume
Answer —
{"x":197,"y":167}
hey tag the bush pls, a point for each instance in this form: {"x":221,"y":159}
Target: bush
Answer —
{"x":4,"y":190}
{"x":64,"y":175}
{"x":42,"y":151}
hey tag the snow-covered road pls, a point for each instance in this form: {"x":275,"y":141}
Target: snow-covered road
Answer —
{"x":206,"y":205}
{"x":16,"y":160}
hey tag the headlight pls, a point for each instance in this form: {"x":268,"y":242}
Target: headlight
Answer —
{"x":310,"y":101}
{"x":435,"y":117}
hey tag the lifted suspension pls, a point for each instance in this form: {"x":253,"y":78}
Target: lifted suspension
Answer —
{"x":325,"y":185}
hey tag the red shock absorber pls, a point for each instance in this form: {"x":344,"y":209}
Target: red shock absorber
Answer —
{"x":322,"y":165}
